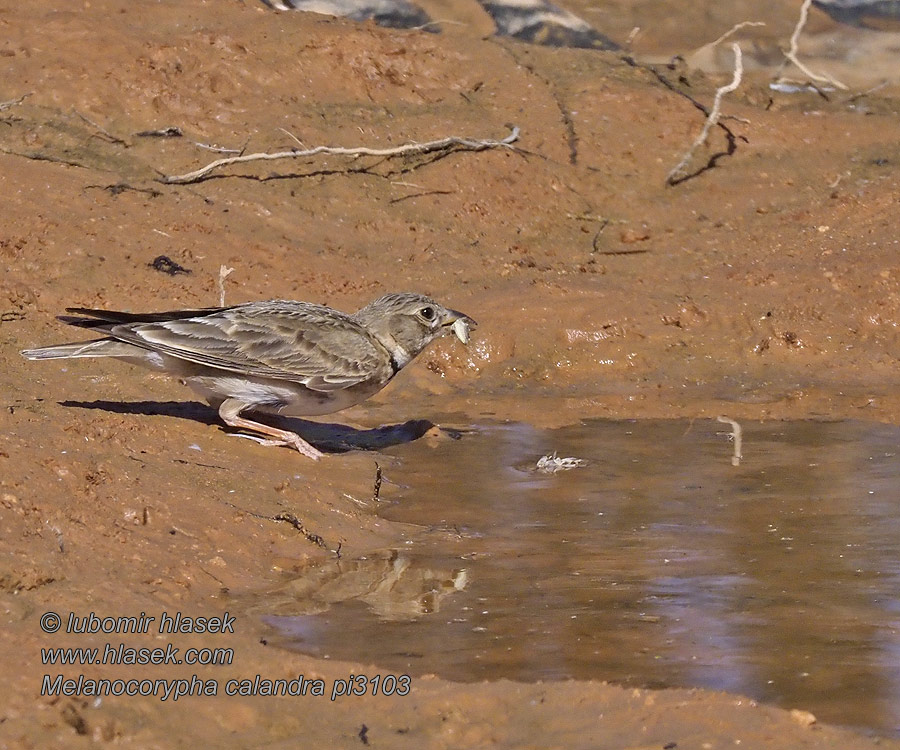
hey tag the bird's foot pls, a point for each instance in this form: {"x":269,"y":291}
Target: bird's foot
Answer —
{"x":297,"y":443}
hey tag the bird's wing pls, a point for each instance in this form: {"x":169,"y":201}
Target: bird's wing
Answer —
{"x":322,"y":348}
{"x":87,"y":317}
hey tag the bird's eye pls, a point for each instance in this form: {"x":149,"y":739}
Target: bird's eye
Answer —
{"x":427,"y":313}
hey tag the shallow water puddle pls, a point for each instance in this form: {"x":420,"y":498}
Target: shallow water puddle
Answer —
{"x":658,"y":563}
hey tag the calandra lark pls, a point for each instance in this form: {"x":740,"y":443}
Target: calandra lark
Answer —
{"x":277,"y":357}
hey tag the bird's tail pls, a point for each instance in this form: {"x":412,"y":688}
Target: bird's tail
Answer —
{"x":98,"y":348}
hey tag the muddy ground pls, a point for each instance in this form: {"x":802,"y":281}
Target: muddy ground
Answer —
{"x":767,"y":287}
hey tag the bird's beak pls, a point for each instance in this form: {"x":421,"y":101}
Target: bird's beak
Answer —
{"x":460,"y":324}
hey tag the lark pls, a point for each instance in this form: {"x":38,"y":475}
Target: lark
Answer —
{"x":293,"y":359}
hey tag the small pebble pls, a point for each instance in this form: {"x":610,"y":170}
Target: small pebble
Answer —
{"x":803,"y":718}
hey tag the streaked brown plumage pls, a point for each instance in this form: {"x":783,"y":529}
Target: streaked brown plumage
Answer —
{"x":279,"y":357}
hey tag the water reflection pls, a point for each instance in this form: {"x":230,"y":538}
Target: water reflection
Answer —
{"x":390,"y":585}
{"x":658,"y":563}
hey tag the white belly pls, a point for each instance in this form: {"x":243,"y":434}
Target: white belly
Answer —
{"x":279,"y":396}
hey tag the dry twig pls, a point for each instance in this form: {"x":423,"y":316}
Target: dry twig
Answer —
{"x":438,"y":22}
{"x":376,"y":490}
{"x":13,"y":102}
{"x":293,"y":137}
{"x":170,"y":132}
{"x":291,"y":519}
{"x":217,"y":149}
{"x":791,"y":54}
{"x":100,"y":129}
{"x":712,"y":119}
{"x":224,"y":272}
{"x":632,"y":35}
{"x":444,"y":144}
{"x":861,"y":94}
{"x":732,"y":31}
{"x":298,"y":524}
{"x":737,"y":438}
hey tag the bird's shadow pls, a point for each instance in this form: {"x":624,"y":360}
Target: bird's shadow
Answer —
{"x":328,"y":437}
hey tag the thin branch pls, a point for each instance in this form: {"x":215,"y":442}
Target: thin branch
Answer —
{"x":420,"y":195}
{"x":860,"y":95}
{"x":737,"y":438}
{"x":120,"y":187}
{"x":169,"y":132}
{"x":217,"y":149}
{"x":438,"y":22}
{"x":712,"y":119}
{"x":298,"y":524}
{"x":293,"y":137}
{"x":444,"y":144}
{"x":224,"y":272}
{"x":376,"y":490}
{"x":729,"y":135}
{"x":293,"y":521}
{"x":407,"y":184}
{"x":791,"y":54}
{"x":595,"y":243}
{"x":13,"y":102}
{"x":38,"y":156}
{"x":103,"y":131}
{"x":732,"y":31}
{"x":632,"y":35}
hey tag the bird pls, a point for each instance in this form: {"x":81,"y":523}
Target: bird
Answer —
{"x":274,"y":357}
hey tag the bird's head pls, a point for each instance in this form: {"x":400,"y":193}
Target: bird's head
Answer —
{"x":406,"y":323}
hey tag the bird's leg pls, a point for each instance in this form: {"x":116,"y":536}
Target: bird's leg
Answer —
{"x":230,"y":412}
